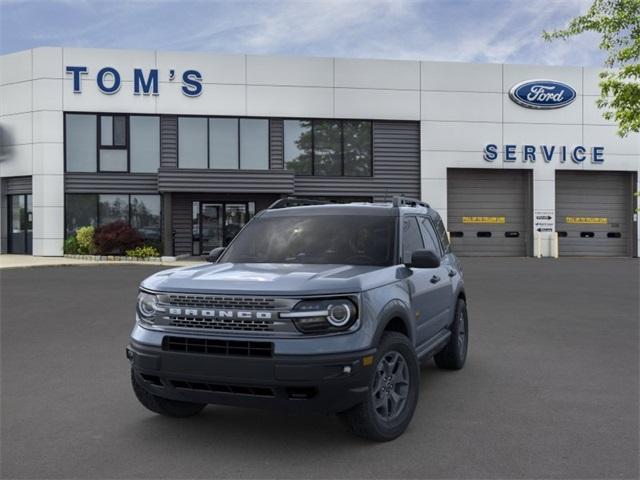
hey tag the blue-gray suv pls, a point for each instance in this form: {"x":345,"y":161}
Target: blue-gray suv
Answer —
{"x":317,"y":307}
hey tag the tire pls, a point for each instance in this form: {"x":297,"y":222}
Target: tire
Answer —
{"x":164,"y":406}
{"x":368,"y":420}
{"x":454,"y":354}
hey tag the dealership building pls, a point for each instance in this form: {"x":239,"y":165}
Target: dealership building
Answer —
{"x":186,"y":147}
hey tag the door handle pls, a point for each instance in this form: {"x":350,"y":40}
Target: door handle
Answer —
{"x":452,"y":273}
{"x":435,"y":279}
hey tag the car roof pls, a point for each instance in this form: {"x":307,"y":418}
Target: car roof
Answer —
{"x":355,"y":208}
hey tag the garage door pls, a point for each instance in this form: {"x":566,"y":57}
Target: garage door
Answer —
{"x":593,"y":213}
{"x":488,"y":212}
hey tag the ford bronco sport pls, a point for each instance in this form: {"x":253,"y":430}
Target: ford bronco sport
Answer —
{"x":316,"y":307}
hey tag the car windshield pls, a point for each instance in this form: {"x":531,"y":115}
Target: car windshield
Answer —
{"x":332,"y":239}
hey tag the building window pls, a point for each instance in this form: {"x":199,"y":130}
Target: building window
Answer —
{"x":142,"y":212}
{"x":80,"y":142}
{"x":254,"y":144}
{"x":144,"y":148}
{"x":328,"y":147}
{"x":145,"y":217}
{"x":112,"y":208}
{"x":223,"y":143}
{"x":112,"y":143}
{"x":81,"y":210}
{"x":192,"y":142}
{"x":297,"y":146}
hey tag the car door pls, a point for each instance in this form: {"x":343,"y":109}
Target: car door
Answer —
{"x":441,"y":307}
{"x":423,"y":283}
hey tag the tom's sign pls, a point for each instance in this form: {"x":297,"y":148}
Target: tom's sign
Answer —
{"x":542,"y":94}
{"x":109,"y":80}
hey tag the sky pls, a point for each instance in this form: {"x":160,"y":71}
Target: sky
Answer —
{"x":482,"y":31}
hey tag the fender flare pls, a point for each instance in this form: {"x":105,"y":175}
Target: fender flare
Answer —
{"x":394,"y":309}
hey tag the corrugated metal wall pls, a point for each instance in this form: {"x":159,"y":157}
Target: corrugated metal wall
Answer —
{"x":168,"y":141}
{"x":396,"y":167}
{"x":111,"y":183}
{"x":17,"y":185}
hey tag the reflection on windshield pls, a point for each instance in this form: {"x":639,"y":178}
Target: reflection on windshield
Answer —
{"x":331,"y":239}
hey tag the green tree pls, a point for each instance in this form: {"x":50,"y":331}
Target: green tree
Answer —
{"x":618,"y":23}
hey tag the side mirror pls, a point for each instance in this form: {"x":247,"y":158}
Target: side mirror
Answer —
{"x":424,"y":259}
{"x":214,"y":254}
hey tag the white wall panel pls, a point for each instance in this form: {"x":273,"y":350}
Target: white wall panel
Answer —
{"x":461,"y":77}
{"x":48,"y":126}
{"x":377,"y":74}
{"x":48,"y":247}
{"x":15,"y":67}
{"x":591,"y":76}
{"x":434,"y":164}
{"x":48,"y":222}
{"x":96,"y":58}
{"x":47,"y":94}
{"x":48,"y":159}
{"x":299,"y":71}
{"x":48,"y":191}
{"x":15,"y":98}
{"x":614,"y":162}
{"x":434,"y":192}
{"x":470,"y":107}
{"x":17,"y":129}
{"x":290,"y":101}
{"x":378,"y":104}
{"x":214,"y":100}
{"x":542,"y":134}
{"x":607,"y":136}
{"x":514,"y":74}
{"x":459,"y":136}
{"x":592,"y":114}
{"x":18,"y":161}
{"x":214,"y":68}
{"x":47,"y":62}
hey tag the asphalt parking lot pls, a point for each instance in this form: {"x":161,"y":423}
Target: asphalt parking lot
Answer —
{"x":550,"y":388}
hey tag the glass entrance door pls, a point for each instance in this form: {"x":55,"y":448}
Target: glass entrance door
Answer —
{"x":211,"y":226}
{"x":216,"y":224}
{"x":20,"y":224}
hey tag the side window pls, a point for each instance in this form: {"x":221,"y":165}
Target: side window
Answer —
{"x":442,"y":234}
{"x":430,"y":239}
{"x":411,"y":238}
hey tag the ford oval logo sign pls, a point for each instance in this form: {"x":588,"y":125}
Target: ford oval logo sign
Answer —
{"x":542,"y":94}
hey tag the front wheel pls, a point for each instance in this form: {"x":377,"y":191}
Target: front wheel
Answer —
{"x":393,"y":392}
{"x":454,"y":354}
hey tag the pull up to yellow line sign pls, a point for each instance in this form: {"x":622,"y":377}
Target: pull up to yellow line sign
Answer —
{"x":494,"y":220}
{"x":587,"y":220}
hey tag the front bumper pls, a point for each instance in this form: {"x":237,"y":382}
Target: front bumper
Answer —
{"x":325,"y":383}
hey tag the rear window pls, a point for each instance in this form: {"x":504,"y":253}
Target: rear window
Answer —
{"x":316,"y":239}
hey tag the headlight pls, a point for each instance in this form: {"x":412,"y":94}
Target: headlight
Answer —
{"x":147,"y":306}
{"x":324,"y":315}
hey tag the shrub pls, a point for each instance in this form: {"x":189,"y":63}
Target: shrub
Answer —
{"x":84,"y":237}
{"x":71,"y":245}
{"x":116,"y":238}
{"x":145,"y":251}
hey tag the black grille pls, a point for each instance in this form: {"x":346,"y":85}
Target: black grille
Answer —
{"x":218,"y":347}
{"x":217,"y":388}
{"x":222,"y":324}
{"x":220,"y":301}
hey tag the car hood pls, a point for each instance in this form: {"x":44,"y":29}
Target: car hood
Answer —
{"x":270,"y":279}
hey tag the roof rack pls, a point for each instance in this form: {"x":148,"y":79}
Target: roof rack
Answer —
{"x":295,"y":202}
{"x":401,"y":200}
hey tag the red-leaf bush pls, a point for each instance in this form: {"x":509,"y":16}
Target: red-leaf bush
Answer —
{"x":116,"y":237}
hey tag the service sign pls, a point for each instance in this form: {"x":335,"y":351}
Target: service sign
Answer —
{"x":542,"y":94}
